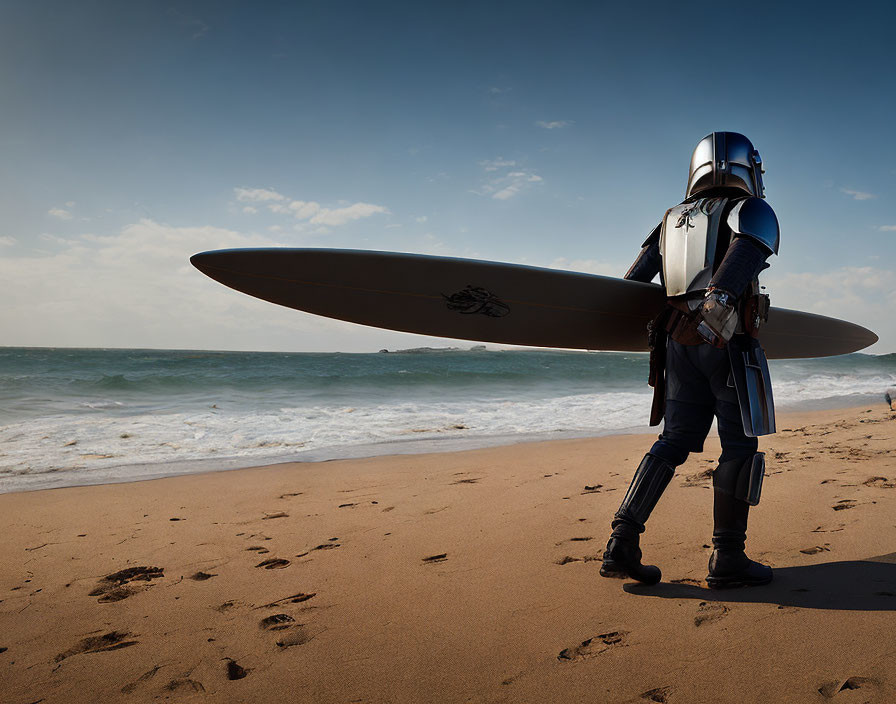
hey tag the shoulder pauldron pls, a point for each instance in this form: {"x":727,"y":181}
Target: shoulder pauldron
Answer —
{"x":754,"y":218}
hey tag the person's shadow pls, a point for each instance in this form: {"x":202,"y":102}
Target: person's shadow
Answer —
{"x":861,"y":585}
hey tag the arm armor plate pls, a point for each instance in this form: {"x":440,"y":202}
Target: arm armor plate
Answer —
{"x":754,"y":218}
{"x":649,"y":261}
{"x":742,"y":263}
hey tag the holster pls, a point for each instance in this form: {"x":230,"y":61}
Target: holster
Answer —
{"x":656,"y":342}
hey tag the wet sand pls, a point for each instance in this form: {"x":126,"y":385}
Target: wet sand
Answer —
{"x":467,"y":576}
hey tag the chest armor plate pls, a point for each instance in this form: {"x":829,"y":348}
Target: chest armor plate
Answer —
{"x":688,"y":244}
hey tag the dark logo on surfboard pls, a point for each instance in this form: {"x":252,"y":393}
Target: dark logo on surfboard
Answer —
{"x":475,"y":299}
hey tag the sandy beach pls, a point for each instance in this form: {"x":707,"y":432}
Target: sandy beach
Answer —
{"x":467,"y":576}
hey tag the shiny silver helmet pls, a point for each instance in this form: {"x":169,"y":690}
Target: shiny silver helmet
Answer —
{"x":726,"y":159}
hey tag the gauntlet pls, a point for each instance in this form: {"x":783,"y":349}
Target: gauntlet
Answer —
{"x":718,"y":317}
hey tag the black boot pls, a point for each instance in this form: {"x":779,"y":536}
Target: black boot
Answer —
{"x":729,"y":566}
{"x":623,"y":555}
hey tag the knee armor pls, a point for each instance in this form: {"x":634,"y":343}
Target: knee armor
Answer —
{"x":741,"y":477}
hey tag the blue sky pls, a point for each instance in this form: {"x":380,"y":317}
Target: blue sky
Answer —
{"x":553,"y":134}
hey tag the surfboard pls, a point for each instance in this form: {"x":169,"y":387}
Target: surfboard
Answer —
{"x":487,"y":301}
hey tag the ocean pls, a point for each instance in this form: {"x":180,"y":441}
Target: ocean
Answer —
{"x":87,"y":416}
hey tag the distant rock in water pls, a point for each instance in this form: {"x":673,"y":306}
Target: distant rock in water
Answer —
{"x":890,"y":396}
{"x":423,"y":350}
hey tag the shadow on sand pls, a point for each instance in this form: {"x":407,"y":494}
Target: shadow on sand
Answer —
{"x":861,"y":585}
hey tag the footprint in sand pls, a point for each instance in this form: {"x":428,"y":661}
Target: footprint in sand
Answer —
{"x":296,"y":635}
{"x":441,"y":557}
{"x":328,"y":546}
{"x":822,"y":529}
{"x":117,"y":586}
{"x":145,"y":677}
{"x":257,"y":548}
{"x":817,"y":549}
{"x":274,"y":563}
{"x":201,"y":576}
{"x":686,"y":580}
{"x":277,"y":622}
{"x":709,"y":613}
{"x":830,"y":690}
{"x":698,"y":479}
{"x":879,"y":482}
{"x":184,"y":686}
{"x":593,"y":646}
{"x":114,"y":640}
{"x":660,"y":694}
{"x":235,"y":671}
{"x":844,"y":504}
{"x":566,"y":559}
{"x":292,"y":599}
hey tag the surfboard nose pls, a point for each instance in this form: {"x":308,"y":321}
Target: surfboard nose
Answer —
{"x":870,"y":336}
{"x":206,"y":260}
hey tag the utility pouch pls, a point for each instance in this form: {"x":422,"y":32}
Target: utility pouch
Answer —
{"x":682,"y":324}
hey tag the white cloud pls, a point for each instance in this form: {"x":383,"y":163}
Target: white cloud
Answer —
{"x":135,"y":287}
{"x":311,"y":211}
{"x":59,"y":213}
{"x":257,"y":195}
{"x":887,"y":228}
{"x":506,"y":193}
{"x":69,"y":204}
{"x":858,"y":195}
{"x":6,"y":241}
{"x":304,"y":209}
{"x":340,"y":216}
{"x":508,"y":185}
{"x":554,"y":124}
{"x":495,"y":90}
{"x":511,"y":184}
{"x":422,"y":218}
{"x":495,"y":164}
{"x":249,"y":210}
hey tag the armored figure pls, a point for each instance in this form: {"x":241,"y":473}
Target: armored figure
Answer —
{"x":706,"y":360}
